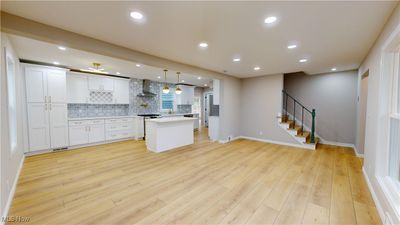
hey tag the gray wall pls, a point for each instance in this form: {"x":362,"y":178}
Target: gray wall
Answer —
{"x":334,"y":97}
{"x":10,"y":161}
{"x":260,"y":104}
{"x":229,"y":111}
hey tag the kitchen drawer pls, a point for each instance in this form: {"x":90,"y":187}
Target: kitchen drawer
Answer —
{"x":119,"y":126}
{"x":119,"y":120}
{"x":78,"y":122}
{"x":114,"y":135}
{"x":93,"y":122}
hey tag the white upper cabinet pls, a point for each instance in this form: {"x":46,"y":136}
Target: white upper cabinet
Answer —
{"x":100,"y":83}
{"x":56,"y":86}
{"x":186,"y":97}
{"x":77,"y":89}
{"x":45,"y":85}
{"x":121,"y":91}
{"x":36,"y":84}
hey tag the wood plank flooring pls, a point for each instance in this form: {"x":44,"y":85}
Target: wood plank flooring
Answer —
{"x":243,"y":182}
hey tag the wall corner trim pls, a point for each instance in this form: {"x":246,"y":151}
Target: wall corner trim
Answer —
{"x":12,"y":192}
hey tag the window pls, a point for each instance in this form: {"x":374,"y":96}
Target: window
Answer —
{"x":167,"y":100}
{"x":394,"y":123}
{"x":11,"y":100}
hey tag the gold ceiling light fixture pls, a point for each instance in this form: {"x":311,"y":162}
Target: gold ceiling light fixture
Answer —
{"x":165,"y":89}
{"x":95,"y":69}
{"x":178,"y":89}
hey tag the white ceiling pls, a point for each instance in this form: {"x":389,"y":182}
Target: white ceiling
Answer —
{"x":328,"y":33}
{"x":48,"y":53}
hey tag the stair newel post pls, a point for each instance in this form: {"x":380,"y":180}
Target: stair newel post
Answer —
{"x":312,"y":138}
{"x":302,"y":119}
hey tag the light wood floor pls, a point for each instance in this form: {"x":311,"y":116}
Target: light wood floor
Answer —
{"x":243,"y":182}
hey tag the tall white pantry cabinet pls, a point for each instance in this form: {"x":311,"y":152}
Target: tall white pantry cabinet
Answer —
{"x":46,"y":94}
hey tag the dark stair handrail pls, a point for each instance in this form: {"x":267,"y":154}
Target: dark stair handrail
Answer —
{"x":303,"y":108}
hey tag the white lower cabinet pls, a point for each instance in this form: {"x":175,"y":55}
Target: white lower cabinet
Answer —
{"x":85,"y":132}
{"x":119,"y":128}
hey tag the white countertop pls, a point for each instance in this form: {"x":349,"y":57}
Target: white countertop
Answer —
{"x":177,"y":114}
{"x":102,"y":117}
{"x":171,"y":120}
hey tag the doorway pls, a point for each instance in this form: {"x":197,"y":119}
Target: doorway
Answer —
{"x":363,"y":111}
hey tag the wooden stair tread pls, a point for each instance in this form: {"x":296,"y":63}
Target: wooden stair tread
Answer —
{"x":295,"y":128}
{"x":309,"y":139}
{"x":305,"y":134}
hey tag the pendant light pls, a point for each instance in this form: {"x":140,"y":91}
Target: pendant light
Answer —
{"x":178,"y":89}
{"x":165,"y":89}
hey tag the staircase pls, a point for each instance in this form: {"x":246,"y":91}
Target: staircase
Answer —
{"x":296,"y":120}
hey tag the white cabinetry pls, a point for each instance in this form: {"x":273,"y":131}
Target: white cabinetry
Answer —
{"x":119,"y":128}
{"x":47,"y":108}
{"x":77,"y":89}
{"x":121,"y":91}
{"x":100,"y":83}
{"x":186,"y":97}
{"x":86,"y":132}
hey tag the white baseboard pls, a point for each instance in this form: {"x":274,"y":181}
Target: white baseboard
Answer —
{"x":275,"y":142}
{"x":348,"y":145}
{"x":226,"y":141}
{"x":374,"y":197}
{"x":12,"y":192}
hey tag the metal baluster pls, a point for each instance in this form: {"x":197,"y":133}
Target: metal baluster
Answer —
{"x":302,"y":119}
{"x":312,"y":139}
{"x":294,"y":113}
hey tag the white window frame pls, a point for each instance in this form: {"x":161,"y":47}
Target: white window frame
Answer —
{"x":389,"y":72}
{"x":11,"y":105}
{"x":174,"y":101}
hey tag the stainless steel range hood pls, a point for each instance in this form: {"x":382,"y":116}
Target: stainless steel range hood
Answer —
{"x":146,"y":92}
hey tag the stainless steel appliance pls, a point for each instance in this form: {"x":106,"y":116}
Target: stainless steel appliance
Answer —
{"x":146,"y":117}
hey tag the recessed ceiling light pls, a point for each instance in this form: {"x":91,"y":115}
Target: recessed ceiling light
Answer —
{"x":270,"y":19}
{"x":257,"y":68}
{"x":62,"y":48}
{"x":198,"y":78}
{"x":236,"y":59}
{"x":303,"y":60}
{"x":203,"y":45}
{"x":291,"y":46}
{"x":333,"y":69}
{"x":136,"y":15}
{"x":159,"y":77}
{"x":56,"y":63}
{"x":118,"y":73}
{"x":138,"y":65}
{"x":205,"y":85}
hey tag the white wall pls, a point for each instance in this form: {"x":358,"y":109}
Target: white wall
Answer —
{"x":261,"y":102}
{"x":229,"y":110}
{"x":10,"y":162}
{"x":372,"y":151}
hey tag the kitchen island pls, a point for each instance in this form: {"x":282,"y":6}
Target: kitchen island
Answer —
{"x":164,"y":134}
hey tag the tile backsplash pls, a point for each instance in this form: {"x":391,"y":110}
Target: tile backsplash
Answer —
{"x":97,"y":110}
{"x":137,"y":105}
